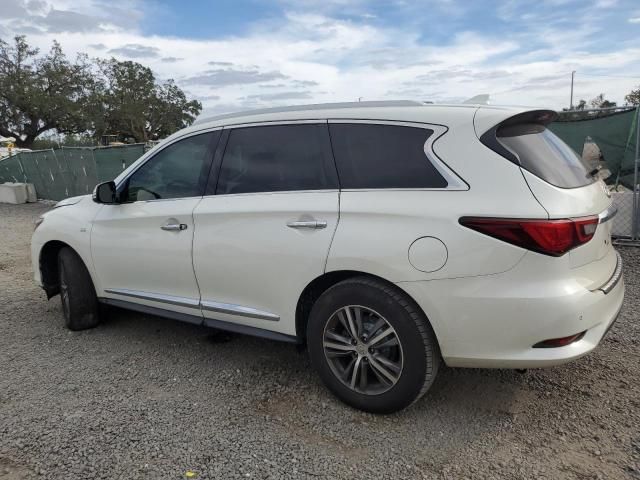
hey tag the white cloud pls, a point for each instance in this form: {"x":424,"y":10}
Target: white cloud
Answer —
{"x":57,"y":16}
{"x":606,"y":3}
{"x":634,"y":20}
{"x":311,"y":56}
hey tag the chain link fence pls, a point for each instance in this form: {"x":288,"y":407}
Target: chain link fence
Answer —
{"x":70,"y":171}
{"x":623,"y":222}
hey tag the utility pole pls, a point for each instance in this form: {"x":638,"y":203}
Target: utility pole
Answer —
{"x":571,"y":101}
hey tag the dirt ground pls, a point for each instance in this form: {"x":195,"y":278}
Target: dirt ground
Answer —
{"x":144,"y":397}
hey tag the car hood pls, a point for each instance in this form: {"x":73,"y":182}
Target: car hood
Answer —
{"x":70,"y":201}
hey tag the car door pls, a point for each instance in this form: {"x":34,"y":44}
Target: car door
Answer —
{"x":264,"y":229}
{"x":141,"y":247}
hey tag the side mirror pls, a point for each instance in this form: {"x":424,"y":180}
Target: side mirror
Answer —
{"x":105,"y":193}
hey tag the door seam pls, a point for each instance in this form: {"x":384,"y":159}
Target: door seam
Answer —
{"x":335,"y":230}
{"x":193,"y":266}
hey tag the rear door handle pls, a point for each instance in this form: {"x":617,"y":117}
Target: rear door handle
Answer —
{"x":174,"y":227}
{"x":313,"y":224}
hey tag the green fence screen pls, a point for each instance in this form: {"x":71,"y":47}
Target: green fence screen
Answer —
{"x":58,"y":174}
{"x":11,"y":170}
{"x":615,"y":135}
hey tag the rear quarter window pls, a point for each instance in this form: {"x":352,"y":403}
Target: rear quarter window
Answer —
{"x":545,"y":155}
{"x":383,"y":156}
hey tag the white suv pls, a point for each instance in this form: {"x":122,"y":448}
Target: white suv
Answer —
{"x":385,"y":236}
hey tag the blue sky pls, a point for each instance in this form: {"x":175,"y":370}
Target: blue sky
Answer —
{"x":243,"y":54}
{"x":435,"y":20}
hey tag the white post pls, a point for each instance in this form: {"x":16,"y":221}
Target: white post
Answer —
{"x":571,"y":100}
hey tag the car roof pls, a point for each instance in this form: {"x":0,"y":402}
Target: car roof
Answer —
{"x":396,"y":110}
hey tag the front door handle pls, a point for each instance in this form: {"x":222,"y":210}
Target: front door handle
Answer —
{"x":174,"y":227}
{"x":313,"y":224}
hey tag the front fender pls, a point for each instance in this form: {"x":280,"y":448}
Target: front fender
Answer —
{"x":68,"y":225}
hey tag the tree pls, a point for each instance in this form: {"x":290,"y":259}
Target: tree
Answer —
{"x":171,"y":110}
{"x":581,"y":105}
{"x":42,"y":93}
{"x":633,"y":98}
{"x":134,"y":105}
{"x":601,"y":102}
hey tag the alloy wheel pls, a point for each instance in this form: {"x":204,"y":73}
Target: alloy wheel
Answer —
{"x":363,"y":350}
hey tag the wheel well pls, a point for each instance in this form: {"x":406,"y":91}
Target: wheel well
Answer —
{"x":49,"y":266}
{"x":317,"y":287}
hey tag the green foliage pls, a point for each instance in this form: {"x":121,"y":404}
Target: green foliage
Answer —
{"x":600,"y":107}
{"x":127,"y":92}
{"x":135,"y":106}
{"x":42,"y":93}
{"x":601,"y":102}
{"x":100,"y":97}
{"x":171,"y":110}
{"x":633,"y":98}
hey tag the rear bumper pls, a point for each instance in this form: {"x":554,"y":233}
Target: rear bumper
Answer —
{"x":616,"y":277}
{"x":494,"y":321}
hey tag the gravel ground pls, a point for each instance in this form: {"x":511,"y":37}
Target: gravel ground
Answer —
{"x":144,"y":397}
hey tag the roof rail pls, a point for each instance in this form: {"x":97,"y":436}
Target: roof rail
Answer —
{"x":315,"y":106}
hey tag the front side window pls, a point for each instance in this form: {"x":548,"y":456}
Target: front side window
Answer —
{"x":383,"y":156}
{"x":177,"y":171}
{"x":277,"y":158}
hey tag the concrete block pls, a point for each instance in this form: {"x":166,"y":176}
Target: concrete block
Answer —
{"x":13,"y":193}
{"x":32,"y":196}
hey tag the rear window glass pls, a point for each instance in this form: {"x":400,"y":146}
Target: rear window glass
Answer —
{"x":545,"y":155}
{"x":383,"y":156}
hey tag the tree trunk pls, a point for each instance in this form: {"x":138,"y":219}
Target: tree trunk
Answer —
{"x":27,"y":142}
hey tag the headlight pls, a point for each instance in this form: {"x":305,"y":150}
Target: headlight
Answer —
{"x":38,"y":222}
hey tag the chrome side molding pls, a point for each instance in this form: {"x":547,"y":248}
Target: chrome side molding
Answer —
{"x":227,"y":308}
{"x":197,"y":319}
{"x":231,"y":309}
{"x":608,"y":214}
{"x":156,"y":297}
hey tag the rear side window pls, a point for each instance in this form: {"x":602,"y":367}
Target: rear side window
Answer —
{"x":277,"y":158}
{"x":545,"y":155}
{"x":383,"y":156}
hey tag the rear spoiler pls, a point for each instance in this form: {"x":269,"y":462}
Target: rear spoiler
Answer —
{"x":538,"y":117}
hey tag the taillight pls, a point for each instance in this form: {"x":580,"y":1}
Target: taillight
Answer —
{"x":550,"y":237}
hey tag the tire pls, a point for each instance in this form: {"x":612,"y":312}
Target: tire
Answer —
{"x":409,"y":352}
{"x":77,"y":294}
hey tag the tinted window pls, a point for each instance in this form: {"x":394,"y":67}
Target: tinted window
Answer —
{"x":383,"y":156}
{"x":541,"y":152}
{"x":175,"y":172}
{"x":277,"y":158}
